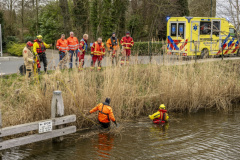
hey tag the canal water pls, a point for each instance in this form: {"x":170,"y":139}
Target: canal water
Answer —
{"x":186,"y":136}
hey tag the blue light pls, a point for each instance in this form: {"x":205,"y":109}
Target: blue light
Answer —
{"x":228,"y":19}
{"x":167,"y":18}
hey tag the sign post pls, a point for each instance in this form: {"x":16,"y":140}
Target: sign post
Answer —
{"x":1,"y":40}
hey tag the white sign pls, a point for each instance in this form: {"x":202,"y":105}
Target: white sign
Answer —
{"x":45,"y":127}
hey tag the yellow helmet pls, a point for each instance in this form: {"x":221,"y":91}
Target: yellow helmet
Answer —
{"x":39,"y":36}
{"x":162,"y":106}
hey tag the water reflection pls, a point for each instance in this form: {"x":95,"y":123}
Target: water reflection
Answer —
{"x":104,"y":144}
{"x":159,"y":129}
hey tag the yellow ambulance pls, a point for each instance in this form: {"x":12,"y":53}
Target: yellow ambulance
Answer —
{"x":203,"y":36}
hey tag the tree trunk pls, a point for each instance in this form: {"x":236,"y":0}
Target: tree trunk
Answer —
{"x":63,"y":4}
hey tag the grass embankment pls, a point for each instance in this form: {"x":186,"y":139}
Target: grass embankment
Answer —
{"x":135,"y":91}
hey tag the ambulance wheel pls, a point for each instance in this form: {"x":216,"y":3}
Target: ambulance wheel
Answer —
{"x":204,"y":53}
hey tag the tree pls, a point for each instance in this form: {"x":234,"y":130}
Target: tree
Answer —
{"x":63,"y":4}
{"x":183,"y":5}
{"x":50,"y":23}
{"x":2,"y":26}
{"x":80,"y":15}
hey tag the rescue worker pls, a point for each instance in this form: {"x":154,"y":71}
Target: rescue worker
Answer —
{"x":83,"y":49}
{"x":127,"y":43}
{"x":105,"y":113}
{"x":73,"y":48}
{"x":39,"y":48}
{"x":97,"y":53}
{"x":113,"y":46}
{"x":62,"y":46}
{"x":28,"y":59}
{"x":161,"y":116}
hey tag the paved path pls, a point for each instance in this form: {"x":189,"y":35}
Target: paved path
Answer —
{"x":9,"y":65}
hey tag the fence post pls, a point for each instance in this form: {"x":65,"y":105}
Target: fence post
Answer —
{"x":57,"y":110}
{"x":222,"y":52}
{"x":195,"y":43}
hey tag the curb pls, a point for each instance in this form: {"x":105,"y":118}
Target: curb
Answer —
{"x":4,"y":59}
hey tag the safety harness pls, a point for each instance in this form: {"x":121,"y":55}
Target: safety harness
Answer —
{"x":103,"y":104}
{"x":41,"y":48}
{"x":113,"y":43}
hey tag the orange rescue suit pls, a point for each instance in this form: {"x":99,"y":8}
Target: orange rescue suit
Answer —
{"x":105,"y":113}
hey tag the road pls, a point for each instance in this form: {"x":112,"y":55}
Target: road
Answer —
{"x":9,"y":65}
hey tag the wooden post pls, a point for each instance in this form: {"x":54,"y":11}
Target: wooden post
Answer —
{"x":0,"y":132}
{"x":57,"y":110}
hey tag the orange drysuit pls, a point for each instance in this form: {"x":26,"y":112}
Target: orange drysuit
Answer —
{"x":105,"y":113}
{"x":113,"y":44}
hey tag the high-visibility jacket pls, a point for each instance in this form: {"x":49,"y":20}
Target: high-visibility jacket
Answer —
{"x":98,"y":49}
{"x":161,"y":114}
{"x":27,"y":56}
{"x":62,"y":45}
{"x":127,"y":42}
{"x":83,"y":45}
{"x":72,"y":43}
{"x":105,"y":113}
{"x":39,"y":47}
{"x":113,"y":43}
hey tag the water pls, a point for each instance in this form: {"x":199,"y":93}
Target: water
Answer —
{"x":195,"y":136}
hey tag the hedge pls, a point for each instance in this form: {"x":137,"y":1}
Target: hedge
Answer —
{"x":15,"y":49}
{"x":146,"y":48}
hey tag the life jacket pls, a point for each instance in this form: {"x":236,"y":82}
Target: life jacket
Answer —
{"x":102,"y":116}
{"x":162,"y":118}
{"x":85,"y":46}
{"x":97,"y":49}
{"x":41,"y":47}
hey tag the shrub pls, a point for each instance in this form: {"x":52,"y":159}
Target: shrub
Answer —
{"x":12,"y":39}
{"x":146,"y":48}
{"x":15,"y":49}
{"x":28,"y":38}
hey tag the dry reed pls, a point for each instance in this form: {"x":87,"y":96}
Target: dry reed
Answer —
{"x":135,"y":91}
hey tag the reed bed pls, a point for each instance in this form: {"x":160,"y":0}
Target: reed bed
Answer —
{"x":135,"y":90}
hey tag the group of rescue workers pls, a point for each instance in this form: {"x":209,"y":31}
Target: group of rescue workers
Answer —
{"x":76,"y":49}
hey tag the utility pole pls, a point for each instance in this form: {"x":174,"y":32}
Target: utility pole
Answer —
{"x":211,"y":9}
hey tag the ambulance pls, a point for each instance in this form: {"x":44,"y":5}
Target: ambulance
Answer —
{"x":200,"y":36}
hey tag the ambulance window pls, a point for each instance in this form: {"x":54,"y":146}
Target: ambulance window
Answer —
{"x":181,"y":30}
{"x":205,"y":28}
{"x":173,"y":29}
{"x":216,"y":28}
{"x":232,"y":32}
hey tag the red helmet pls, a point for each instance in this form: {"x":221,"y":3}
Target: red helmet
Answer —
{"x":29,"y":44}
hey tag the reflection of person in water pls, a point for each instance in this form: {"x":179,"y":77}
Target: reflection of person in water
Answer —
{"x":104,"y":145}
{"x":159,"y":129}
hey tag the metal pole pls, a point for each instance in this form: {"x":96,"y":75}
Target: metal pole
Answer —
{"x":1,"y":39}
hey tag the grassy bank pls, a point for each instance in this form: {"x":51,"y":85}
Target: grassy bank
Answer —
{"x":135,"y":91}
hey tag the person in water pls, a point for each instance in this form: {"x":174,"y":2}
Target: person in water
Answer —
{"x":161,"y":116}
{"x":105,"y":113}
